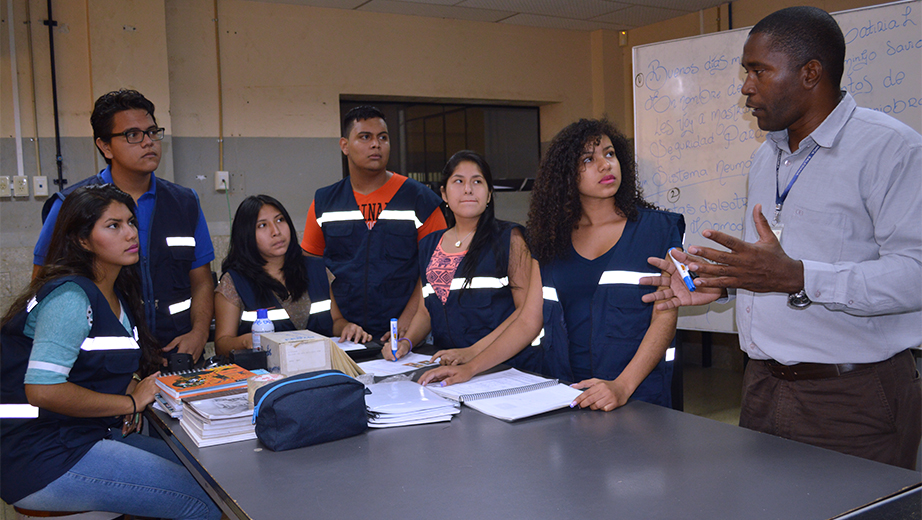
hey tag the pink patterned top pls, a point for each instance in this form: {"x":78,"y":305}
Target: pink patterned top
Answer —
{"x":442,"y":269}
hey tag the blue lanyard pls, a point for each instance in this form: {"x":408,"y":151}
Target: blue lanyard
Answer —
{"x":780,"y":197}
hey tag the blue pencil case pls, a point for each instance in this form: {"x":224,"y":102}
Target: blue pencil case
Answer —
{"x":309,"y":408}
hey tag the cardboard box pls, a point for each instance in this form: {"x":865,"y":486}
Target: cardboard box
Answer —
{"x":296,"y":351}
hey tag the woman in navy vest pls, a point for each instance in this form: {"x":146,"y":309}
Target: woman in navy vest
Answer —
{"x":591,"y":233}
{"x":474,"y":274}
{"x":74,"y":347}
{"x":265,"y":269}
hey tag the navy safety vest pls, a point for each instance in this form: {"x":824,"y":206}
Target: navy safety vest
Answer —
{"x":472,"y":313}
{"x":619,"y":318}
{"x":165,"y":282}
{"x":34,"y":452}
{"x":376,"y":269}
{"x":318,"y":290}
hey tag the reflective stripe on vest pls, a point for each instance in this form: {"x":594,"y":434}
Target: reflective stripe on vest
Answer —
{"x":32,"y":303}
{"x":272,"y":314}
{"x":181,"y":306}
{"x":477,"y":282}
{"x":180,"y":241}
{"x":18,"y":411}
{"x":340,"y":216}
{"x":549,"y":293}
{"x":321,"y":306}
{"x":537,"y":340}
{"x":623,"y":277}
{"x":404,"y":214}
{"x":670,"y":354}
{"x":109,"y":343}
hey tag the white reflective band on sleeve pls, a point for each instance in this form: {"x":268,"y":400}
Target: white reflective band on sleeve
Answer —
{"x":480,"y":282}
{"x":321,"y":306}
{"x":395,"y":214}
{"x":181,"y":306}
{"x":49,"y":367}
{"x":549,"y":293}
{"x":135,"y":332}
{"x":670,"y":354}
{"x":180,"y":241}
{"x":340,"y":216}
{"x":18,"y":411}
{"x":537,"y":340}
{"x":32,"y":303}
{"x":109,"y":343}
{"x":272,"y":314}
{"x":428,"y":290}
{"x":623,"y":277}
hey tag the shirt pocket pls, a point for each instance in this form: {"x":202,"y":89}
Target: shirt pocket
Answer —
{"x":400,"y":241}
{"x":812,"y":235}
{"x":182,"y":256}
{"x":625,"y":317}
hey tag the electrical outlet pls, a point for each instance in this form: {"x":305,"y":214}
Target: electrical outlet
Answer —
{"x":4,"y":186}
{"x":20,"y":186}
{"x":221,"y":181}
{"x":40,"y":186}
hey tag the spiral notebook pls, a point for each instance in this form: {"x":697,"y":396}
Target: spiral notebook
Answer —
{"x":510,"y":395}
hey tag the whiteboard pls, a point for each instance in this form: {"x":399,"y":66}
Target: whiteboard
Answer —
{"x":695,"y":139}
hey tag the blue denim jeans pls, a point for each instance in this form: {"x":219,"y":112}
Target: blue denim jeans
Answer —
{"x":136,"y":475}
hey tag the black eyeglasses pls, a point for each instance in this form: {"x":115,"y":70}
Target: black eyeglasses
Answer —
{"x":135,"y":136}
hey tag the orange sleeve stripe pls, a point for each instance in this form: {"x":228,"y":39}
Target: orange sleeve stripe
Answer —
{"x":435,"y":222}
{"x":313,"y":241}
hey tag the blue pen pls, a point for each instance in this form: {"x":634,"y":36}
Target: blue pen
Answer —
{"x":683,"y":270}
{"x":394,"y":337}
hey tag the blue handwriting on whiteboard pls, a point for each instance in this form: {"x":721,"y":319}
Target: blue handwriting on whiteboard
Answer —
{"x":856,"y":63}
{"x":715,"y":64}
{"x":898,"y":106}
{"x":871,"y":27}
{"x":910,"y":45}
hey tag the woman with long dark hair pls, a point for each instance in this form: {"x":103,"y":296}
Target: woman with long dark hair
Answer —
{"x":590,"y":233}
{"x":75,"y":347}
{"x":265,"y":269}
{"x":474,"y":274}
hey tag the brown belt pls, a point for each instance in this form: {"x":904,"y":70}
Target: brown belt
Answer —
{"x":802,"y":371}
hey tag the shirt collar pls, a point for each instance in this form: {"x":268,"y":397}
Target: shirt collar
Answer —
{"x":106,"y":175}
{"x":824,"y":135}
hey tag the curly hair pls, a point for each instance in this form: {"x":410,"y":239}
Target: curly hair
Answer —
{"x":555,"y":200}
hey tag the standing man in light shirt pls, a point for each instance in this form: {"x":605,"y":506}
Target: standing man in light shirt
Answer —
{"x":176,"y":249}
{"x":829,"y":271}
{"x":367,"y":228}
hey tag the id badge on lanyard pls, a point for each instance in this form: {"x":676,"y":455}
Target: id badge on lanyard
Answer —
{"x":776,"y":225}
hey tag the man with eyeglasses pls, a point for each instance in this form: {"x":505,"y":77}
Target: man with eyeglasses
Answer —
{"x":176,"y":248}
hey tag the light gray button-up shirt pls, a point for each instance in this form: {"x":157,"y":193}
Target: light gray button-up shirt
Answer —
{"x":854,"y":217}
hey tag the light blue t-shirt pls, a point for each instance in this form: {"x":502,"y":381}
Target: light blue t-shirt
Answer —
{"x":58,"y":325}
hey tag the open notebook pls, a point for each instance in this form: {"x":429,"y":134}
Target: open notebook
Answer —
{"x":510,"y":395}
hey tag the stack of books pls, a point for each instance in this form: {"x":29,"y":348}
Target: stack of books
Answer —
{"x":176,"y":386}
{"x":210,"y":421}
{"x":405,"y":403}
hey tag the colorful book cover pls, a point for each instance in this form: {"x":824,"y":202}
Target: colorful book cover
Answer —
{"x":195,"y":382}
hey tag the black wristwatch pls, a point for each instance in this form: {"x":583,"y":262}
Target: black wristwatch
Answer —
{"x":799,"y":300}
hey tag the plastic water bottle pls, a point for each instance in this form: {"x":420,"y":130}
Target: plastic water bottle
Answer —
{"x":262,"y":325}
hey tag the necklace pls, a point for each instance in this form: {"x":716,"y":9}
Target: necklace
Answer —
{"x":458,"y":243}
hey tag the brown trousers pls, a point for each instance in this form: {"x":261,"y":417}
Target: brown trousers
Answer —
{"x":874,"y":413}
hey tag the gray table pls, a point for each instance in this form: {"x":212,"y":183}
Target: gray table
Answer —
{"x":641,"y":461}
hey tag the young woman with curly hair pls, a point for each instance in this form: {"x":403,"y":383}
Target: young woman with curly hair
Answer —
{"x":590,"y":233}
